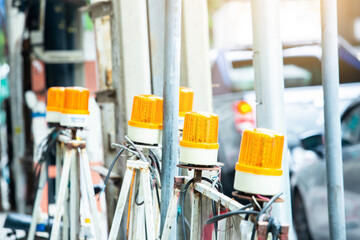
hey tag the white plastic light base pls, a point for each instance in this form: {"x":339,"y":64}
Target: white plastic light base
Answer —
{"x":144,"y":135}
{"x":181,"y":123}
{"x":74,"y":120}
{"x":52,"y":117}
{"x":198,"y":156}
{"x":257,"y":184}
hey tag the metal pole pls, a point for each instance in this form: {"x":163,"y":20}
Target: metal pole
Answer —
{"x":269,"y":86}
{"x":14,"y":39}
{"x":330,"y":79}
{"x":171,"y":102}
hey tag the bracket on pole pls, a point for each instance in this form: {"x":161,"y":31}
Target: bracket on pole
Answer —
{"x":98,"y":9}
{"x":105,"y":96}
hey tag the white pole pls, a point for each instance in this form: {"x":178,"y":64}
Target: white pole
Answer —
{"x":195,"y":69}
{"x":330,"y":79}
{"x":14,"y":38}
{"x":269,"y":86}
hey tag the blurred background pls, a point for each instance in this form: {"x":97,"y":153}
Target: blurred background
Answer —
{"x":232,"y":76}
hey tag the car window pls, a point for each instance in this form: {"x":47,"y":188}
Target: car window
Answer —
{"x":350,"y":127}
{"x":298,"y":72}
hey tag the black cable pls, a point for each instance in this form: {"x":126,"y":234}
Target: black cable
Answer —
{"x":228,"y":214}
{"x":110,"y":169}
{"x":274,"y":227}
{"x":136,"y":195}
{"x":273,"y":199}
{"x":151,"y":152}
{"x":154,"y":163}
{"x":147,"y":159}
{"x":50,"y":139}
{"x":157,"y":194}
{"x":214,"y":206}
{"x":269,"y":227}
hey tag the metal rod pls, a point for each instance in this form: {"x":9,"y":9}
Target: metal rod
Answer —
{"x":269,"y":85}
{"x":213,"y":194}
{"x":171,"y":214}
{"x":115,"y":227}
{"x":146,"y":192}
{"x":330,"y":80}
{"x":195,"y":232}
{"x":66,"y":214}
{"x":74,"y":197}
{"x":85,"y":165}
{"x":69,"y":157}
{"x":171,"y":102}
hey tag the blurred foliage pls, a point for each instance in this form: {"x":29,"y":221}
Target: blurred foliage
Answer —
{"x":2,"y":46}
{"x":88,"y":23}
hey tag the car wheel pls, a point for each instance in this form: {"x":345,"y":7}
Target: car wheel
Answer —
{"x":299,"y":217}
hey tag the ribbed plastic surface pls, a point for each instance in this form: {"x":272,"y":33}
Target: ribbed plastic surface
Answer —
{"x":261,"y":152}
{"x":76,"y":101}
{"x":200,"y":130}
{"x":185,"y":100}
{"x":55,"y":99}
{"x":147,"y":112}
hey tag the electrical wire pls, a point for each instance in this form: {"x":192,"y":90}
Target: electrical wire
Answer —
{"x":273,"y":199}
{"x":136,"y":196}
{"x":228,"y":214}
{"x":157,"y":195}
{"x":216,"y":180}
{"x":126,"y":148}
{"x":129,"y":209}
{"x":141,"y":155}
{"x":155,"y":158}
{"x":109,"y":172}
{"x":256,"y":202}
{"x":47,"y":143}
{"x":265,"y":198}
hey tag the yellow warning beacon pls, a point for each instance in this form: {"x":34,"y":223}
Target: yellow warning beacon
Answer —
{"x":258,"y":170}
{"x":75,"y":112}
{"x":186,"y":97}
{"x":146,"y":121}
{"x":55,"y":102}
{"x":199,"y":144}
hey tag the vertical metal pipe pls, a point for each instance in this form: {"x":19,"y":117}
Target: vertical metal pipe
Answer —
{"x":171,"y":102}
{"x":269,"y":86}
{"x":330,"y":79}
